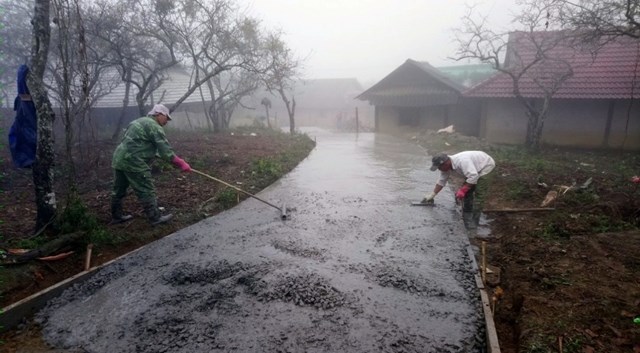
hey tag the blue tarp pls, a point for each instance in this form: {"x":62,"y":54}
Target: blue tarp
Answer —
{"x":23,"y":134}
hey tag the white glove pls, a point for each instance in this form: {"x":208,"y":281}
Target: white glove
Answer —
{"x":429,"y":197}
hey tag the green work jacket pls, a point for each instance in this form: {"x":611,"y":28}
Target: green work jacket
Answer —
{"x":143,"y":140}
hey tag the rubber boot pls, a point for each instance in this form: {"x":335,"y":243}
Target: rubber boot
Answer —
{"x":468,"y":219}
{"x":162,"y":219}
{"x":116,"y":213}
{"x":153,"y":213}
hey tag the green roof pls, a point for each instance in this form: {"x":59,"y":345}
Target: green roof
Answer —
{"x":468,"y":75}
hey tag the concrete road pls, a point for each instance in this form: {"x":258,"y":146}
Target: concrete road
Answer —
{"x":354,"y":269}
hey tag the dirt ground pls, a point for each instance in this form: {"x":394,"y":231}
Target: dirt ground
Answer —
{"x":565,"y":279}
{"x":249,"y":160}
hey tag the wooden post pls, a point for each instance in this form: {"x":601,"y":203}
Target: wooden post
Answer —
{"x":237,"y":197}
{"x":515,"y":210}
{"x":484,"y":262}
{"x":87,"y":259}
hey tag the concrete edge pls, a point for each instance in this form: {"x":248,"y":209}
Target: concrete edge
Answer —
{"x":493,"y":345}
{"x":12,"y":315}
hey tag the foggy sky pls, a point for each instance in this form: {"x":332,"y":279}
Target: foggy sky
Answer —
{"x":367,"y":39}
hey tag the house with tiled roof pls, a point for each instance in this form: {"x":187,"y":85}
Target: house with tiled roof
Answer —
{"x":418,"y":95}
{"x":597,"y":106}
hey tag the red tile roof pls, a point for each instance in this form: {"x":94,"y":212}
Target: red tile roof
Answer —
{"x":608,"y":73}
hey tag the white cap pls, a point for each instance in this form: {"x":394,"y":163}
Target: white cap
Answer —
{"x":160,"y":109}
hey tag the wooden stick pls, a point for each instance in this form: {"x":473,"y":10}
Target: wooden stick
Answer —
{"x":87,"y":259}
{"x":236,"y":188}
{"x":520,"y":209}
{"x":560,"y":344}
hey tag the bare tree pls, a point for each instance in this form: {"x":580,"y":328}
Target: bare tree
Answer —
{"x":215,"y":41}
{"x":43,"y":166}
{"x":70,"y":62}
{"x":533,"y":56}
{"x":599,"y":22}
{"x":600,"y":18}
{"x":228,"y":89}
{"x":15,"y":18}
{"x":281,"y":73}
{"x":77,"y":77}
{"x":153,"y":50}
{"x":138,"y":59}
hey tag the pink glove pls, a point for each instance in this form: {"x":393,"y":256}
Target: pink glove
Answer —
{"x":180,"y":163}
{"x":635,"y":179}
{"x":462,"y":192}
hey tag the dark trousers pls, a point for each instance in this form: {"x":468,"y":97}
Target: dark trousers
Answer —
{"x":142,"y":185}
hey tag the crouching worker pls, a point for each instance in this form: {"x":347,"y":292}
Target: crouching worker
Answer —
{"x":143,"y":140}
{"x":472,"y":165}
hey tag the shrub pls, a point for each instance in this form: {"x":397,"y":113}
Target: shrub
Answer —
{"x":77,"y":217}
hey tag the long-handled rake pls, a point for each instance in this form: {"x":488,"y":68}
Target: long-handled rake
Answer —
{"x":282,"y":210}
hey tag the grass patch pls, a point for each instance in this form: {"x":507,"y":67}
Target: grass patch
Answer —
{"x":555,"y":281}
{"x":600,"y":223}
{"x":579,"y":198}
{"x":536,"y":344}
{"x":517,"y":190}
{"x":265,"y":170}
{"x":227,"y":198}
{"x":553,"y":230}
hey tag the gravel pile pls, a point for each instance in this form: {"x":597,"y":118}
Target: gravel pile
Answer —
{"x":307,"y":289}
{"x":186,"y":273}
{"x":297,"y":249}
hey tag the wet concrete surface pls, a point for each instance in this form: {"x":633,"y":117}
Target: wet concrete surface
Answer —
{"x":354,"y":269}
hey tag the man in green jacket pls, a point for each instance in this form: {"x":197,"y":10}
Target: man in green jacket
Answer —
{"x":143,"y":140}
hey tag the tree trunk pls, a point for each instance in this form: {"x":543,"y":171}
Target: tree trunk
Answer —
{"x":532,"y":122}
{"x":291,"y":109}
{"x":535,"y":123}
{"x":125,"y":105}
{"x":266,"y":107}
{"x":292,"y":112}
{"x":43,"y":165}
{"x":213,"y":109}
{"x":140,"y":103}
{"x":225,"y":118}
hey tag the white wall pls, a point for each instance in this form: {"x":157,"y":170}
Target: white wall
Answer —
{"x":387,"y":119}
{"x":504,"y":121}
{"x":571,"y":123}
{"x":621,"y":116}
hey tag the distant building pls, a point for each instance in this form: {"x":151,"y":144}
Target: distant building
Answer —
{"x":327,"y":103}
{"x":418,"y":95}
{"x":468,"y":75}
{"x":597,"y":107}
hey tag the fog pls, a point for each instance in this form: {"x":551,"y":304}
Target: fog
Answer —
{"x":367,"y":39}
